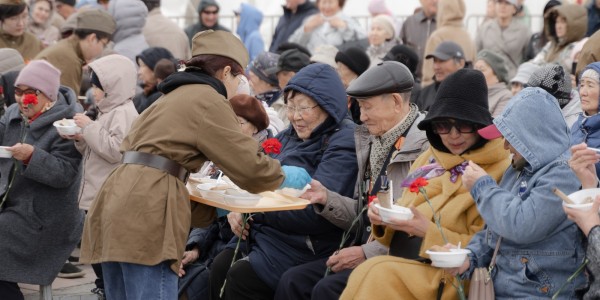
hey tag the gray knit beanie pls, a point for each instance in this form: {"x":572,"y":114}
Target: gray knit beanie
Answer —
{"x":10,"y":60}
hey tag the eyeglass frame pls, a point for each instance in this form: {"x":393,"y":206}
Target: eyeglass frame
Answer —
{"x":19,"y":92}
{"x":456,"y":124}
{"x":300,"y":110}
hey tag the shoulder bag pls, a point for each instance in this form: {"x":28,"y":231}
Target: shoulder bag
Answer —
{"x":482,"y":285}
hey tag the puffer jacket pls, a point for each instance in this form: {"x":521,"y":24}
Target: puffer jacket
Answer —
{"x":540,"y":247}
{"x":281,"y":240}
{"x":102,"y":138}
{"x":249,"y":30}
{"x":40,"y":223}
{"x":130,"y":16}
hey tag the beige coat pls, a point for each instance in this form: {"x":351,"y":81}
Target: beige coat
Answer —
{"x":142,"y":214}
{"x":498,"y":97}
{"x":66,"y":56}
{"x":27,"y":44}
{"x":559,"y":50}
{"x":449,"y":28}
{"x":159,"y":31}
{"x":102,"y":138}
{"x":510,"y":42}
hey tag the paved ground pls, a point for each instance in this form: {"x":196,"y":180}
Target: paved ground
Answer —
{"x":66,"y":289}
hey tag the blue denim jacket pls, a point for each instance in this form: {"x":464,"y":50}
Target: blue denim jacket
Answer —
{"x":540,"y":247}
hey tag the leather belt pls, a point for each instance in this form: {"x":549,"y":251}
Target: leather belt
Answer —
{"x":157,"y":162}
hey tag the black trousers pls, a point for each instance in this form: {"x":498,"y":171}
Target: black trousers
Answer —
{"x":10,"y":291}
{"x":307,"y":281}
{"x":242,"y":281}
{"x":98,"y":271}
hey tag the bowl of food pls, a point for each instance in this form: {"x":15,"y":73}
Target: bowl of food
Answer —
{"x":397,"y":212}
{"x":4,"y":153}
{"x":67,"y":127}
{"x":212,"y":190}
{"x":240,"y":197}
{"x":584,"y":199}
{"x":442,"y":257}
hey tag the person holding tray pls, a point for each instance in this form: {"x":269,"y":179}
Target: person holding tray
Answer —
{"x":138,"y":225}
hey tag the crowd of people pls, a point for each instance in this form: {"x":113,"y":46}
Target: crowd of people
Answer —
{"x":492,"y":124}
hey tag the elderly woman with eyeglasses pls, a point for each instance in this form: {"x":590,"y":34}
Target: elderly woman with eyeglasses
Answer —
{"x":459,"y":110}
{"x":321,"y":140}
{"x":40,"y":221}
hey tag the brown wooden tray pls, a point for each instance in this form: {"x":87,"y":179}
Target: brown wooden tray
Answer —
{"x":270,"y":201}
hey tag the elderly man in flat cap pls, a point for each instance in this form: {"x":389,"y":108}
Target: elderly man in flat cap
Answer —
{"x":387,"y":142}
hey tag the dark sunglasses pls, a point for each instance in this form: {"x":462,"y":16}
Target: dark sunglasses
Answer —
{"x":210,"y":12}
{"x":445,"y":126}
{"x":19,"y":92}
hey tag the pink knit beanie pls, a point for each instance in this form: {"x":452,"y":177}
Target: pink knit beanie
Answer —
{"x":42,"y":76}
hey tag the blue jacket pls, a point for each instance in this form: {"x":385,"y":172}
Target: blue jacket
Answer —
{"x":593,"y":18}
{"x":248,"y":30}
{"x":540,"y":247}
{"x":289,"y":22}
{"x":587,"y":128}
{"x":281,"y":240}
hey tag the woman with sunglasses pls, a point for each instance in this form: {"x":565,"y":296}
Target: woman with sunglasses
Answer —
{"x":459,"y":110}
{"x":40,"y":221}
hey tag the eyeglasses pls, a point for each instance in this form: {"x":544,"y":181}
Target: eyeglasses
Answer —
{"x":445,"y":126}
{"x":19,"y":92}
{"x":104,"y":42}
{"x":291,"y":110}
{"x":210,"y":12}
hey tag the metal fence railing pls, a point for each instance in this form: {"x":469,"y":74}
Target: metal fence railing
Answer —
{"x":472,"y":22}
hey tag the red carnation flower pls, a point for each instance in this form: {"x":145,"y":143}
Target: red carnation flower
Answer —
{"x":272,"y":146}
{"x":30,"y":99}
{"x":417,"y":184}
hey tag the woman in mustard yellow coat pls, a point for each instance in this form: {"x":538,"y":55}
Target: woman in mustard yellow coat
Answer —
{"x":459,"y":110}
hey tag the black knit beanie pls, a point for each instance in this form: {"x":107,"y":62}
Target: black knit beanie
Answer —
{"x":152,"y":55}
{"x":404,"y":55}
{"x":354,"y":58}
{"x":464,"y":96}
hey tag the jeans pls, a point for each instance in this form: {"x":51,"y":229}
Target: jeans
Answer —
{"x":139,"y":282}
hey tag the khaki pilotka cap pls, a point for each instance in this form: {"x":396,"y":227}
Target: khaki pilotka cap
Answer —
{"x":96,"y":19}
{"x":12,"y":2}
{"x":221,"y":43}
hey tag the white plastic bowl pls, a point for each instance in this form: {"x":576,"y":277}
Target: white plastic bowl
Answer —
{"x":580,"y":196}
{"x":5,"y":153}
{"x":206,"y":192}
{"x":241,"y":198}
{"x":293,"y":192}
{"x":396,"y":213}
{"x":67,"y":127}
{"x":453,"y":259}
